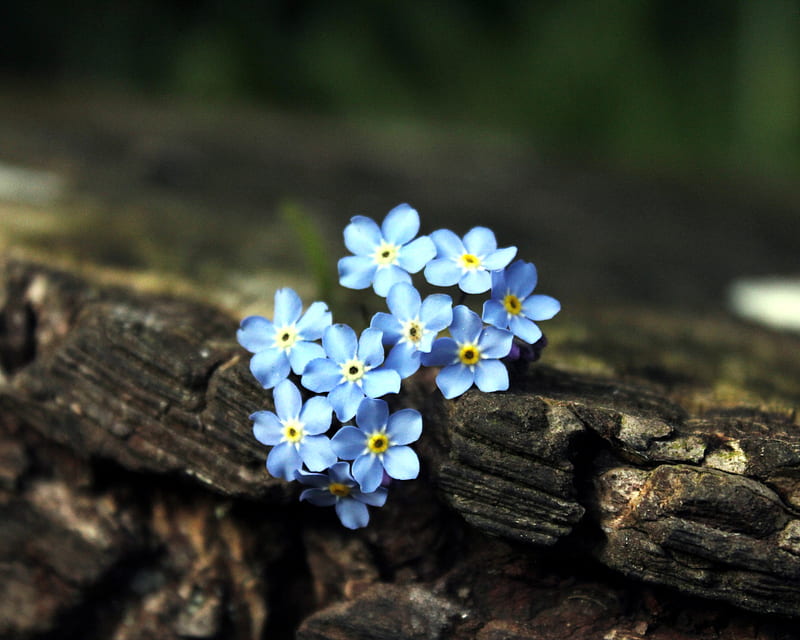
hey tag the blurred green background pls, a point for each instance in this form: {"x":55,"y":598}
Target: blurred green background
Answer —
{"x":675,"y":85}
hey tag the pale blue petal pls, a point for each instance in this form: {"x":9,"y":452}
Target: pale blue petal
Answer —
{"x":448,"y":244}
{"x":480,"y":241}
{"x":315,"y":320}
{"x":270,"y":367}
{"x":370,"y":347}
{"x":267,"y":428}
{"x":403,"y":301}
{"x":321,"y":375}
{"x":425,"y":343}
{"x":388,"y":276}
{"x":525,"y":329}
{"x":442,"y":272}
{"x":345,"y":399}
{"x":491,"y":375}
{"x":319,"y":497}
{"x":283,"y":461}
{"x":372,"y":415}
{"x":401,"y":463}
{"x":302,"y":353}
{"x":466,"y":325}
{"x":495,"y":313}
{"x":476,"y":281}
{"x":317,"y":453}
{"x":368,"y":472}
{"x":400,"y":224}
{"x":416,"y":254}
{"x":403,"y":358}
{"x":340,"y":343}
{"x":499,"y":288}
{"x":362,"y":236}
{"x":352,"y":513}
{"x":288,"y":307}
{"x":349,"y":442}
{"x":444,"y":352}
{"x":521,"y":278}
{"x":388,"y":325}
{"x":454,"y":380}
{"x":499,"y":259}
{"x":375,"y":498}
{"x":317,"y":480}
{"x":404,"y":426}
{"x":356,"y":272}
{"x":436,"y":312}
{"x":288,"y":401}
{"x":340,"y":472}
{"x":540,"y":307}
{"x":256,"y":334}
{"x":495,"y":343}
{"x":379,"y":382}
{"x":316,"y":415}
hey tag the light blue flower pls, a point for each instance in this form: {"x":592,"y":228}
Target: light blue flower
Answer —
{"x":512,"y":306}
{"x":286,"y":342}
{"x":379,"y":443}
{"x":351,"y":370}
{"x":294,"y":432}
{"x":337,"y":487}
{"x":467,"y":263}
{"x":472,"y":355}
{"x":411,"y":326}
{"x":386,"y":254}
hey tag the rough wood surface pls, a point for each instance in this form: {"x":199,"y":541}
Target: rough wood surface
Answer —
{"x":652,"y":460}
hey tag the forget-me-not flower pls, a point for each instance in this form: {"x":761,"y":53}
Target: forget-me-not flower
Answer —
{"x":386,"y":254}
{"x":285,"y":342}
{"x":351,"y":370}
{"x":411,"y":326}
{"x":379,"y":443}
{"x":337,"y":487}
{"x":295,"y":432}
{"x":472,"y":355}
{"x":468,"y":263}
{"x":512,"y":306}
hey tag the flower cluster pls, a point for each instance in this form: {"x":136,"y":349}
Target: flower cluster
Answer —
{"x":346,"y":375}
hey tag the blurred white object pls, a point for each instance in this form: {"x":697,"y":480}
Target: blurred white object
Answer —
{"x":29,"y":186}
{"x":772,"y":301}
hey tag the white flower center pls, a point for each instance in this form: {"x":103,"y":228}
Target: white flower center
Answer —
{"x":285,"y":337}
{"x":378,"y":442}
{"x":412,"y":330}
{"x":469,"y":262}
{"x":293,"y":431}
{"x":353,"y":370}
{"x":385,"y":254}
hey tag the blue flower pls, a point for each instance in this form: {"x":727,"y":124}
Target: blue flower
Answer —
{"x":350,"y":370}
{"x":470,"y":356}
{"x":285,"y":343}
{"x":512,"y":306}
{"x":295,"y":432}
{"x":384,"y":255}
{"x":337,"y":487}
{"x":411,"y":326}
{"x":466,"y":263}
{"x":379,"y":443}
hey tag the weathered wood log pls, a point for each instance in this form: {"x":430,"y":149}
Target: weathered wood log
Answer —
{"x":664,"y":447}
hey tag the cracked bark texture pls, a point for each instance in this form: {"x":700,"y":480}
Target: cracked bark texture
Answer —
{"x":643,"y":482}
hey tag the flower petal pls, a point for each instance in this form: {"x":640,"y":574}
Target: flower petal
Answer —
{"x":270,"y":367}
{"x":288,"y":401}
{"x":495,"y":343}
{"x":386,"y":277}
{"x":302,"y":353}
{"x":316,"y":415}
{"x":403,"y":301}
{"x":521,"y":278}
{"x":448,"y":244}
{"x":416,"y":254}
{"x":499,"y":259}
{"x":368,"y":472}
{"x":317,"y":453}
{"x":372,"y":415}
{"x":444,"y":352}
{"x":401,"y":463}
{"x":345,"y":399}
{"x":317,"y":480}
{"x":370,"y":347}
{"x":495,"y":313}
{"x":352,"y":513}
{"x":476,"y":281}
{"x":403,"y":358}
{"x":454,"y":380}
{"x":315,"y":320}
{"x":256,"y":333}
{"x":321,"y":375}
{"x":362,"y":235}
{"x":466,"y":325}
{"x":319,"y":496}
{"x":388,"y":325}
{"x":356,"y":272}
{"x":340,"y":343}
{"x":401,"y":224}
{"x":491,"y":375}
{"x":540,"y":307}
{"x":404,"y":426}
{"x":267,"y":428}
{"x":436,"y":312}
{"x":379,"y":382}
{"x":287,"y":307}
{"x":480,"y":241}
{"x":442,"y":272}
{"x":283,"y":461}
{"x":524,"y":329}
{"x":375,"y":498}
{"x":349,"y":442}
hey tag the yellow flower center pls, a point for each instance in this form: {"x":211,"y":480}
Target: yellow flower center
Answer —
{"x":293,"y":431}
{"x":285,"y":337}
{"x":413,"y":330}
{"x":353,"y":370}
{"x":469,"y":261}
{"x":385,"y":254}
{"x":378,"y":442}
{"x":512,"y":304}
{"x":469,"y":354}
{"x":339,"y":490}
